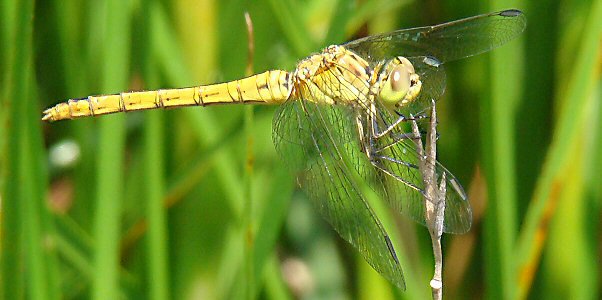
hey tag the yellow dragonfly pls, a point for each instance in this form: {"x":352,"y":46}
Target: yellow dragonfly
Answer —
{"x":342,"y":122}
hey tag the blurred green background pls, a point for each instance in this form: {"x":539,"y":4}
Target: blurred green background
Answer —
{"x":194,"y":203}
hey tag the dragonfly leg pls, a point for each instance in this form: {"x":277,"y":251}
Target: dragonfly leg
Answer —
{"x":397,"y":161}
{"x":396,"y":139}
{"x":417,"y":117}
{"x":379,"y":134}
{"x":401,"y":118}
{"x":362,"y":135}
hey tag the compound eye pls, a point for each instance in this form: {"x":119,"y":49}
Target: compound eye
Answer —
{"x":400,"y":79}
{"x":401,"y":85}
{"x":406,"y":62}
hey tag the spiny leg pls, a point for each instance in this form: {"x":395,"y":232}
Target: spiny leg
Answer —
{"x":401,"y":118}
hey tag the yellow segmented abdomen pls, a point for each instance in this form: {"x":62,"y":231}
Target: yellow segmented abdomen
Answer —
{"x":270,"y":87}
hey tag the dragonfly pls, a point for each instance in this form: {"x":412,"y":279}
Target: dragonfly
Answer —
{"x":342,"y":122}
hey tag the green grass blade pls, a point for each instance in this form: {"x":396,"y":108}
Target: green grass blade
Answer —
{"x":336,"y":28}
{"x":78,"y":62}
{"x":275,"y":288}
{"x":292,"y":25}
{"x":274,"y":212}
{"x":11,"y":251}
{"x":157,"y":240}
{"x":370,"y":10}
{"x":498,"y":116}
{"x":157,"y":231}
{"x":112,"y":19}
{"x":570,"y":119}
{"x":249,"y":234}
{"x":28,"y":267}
{"x":203,"y":122}
{"x":109,"y":197}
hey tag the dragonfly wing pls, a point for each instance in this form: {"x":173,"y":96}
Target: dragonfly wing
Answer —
{"x":432,"y":77}
{"x":313,"y":139}
{"x":458,"y":214}
{"x":402,"y":185}
{"x":446,"y":42}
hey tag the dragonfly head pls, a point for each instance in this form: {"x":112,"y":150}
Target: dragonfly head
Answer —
{"x":401,"y":85}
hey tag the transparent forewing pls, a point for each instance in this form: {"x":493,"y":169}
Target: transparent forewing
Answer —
{"x":445,"y":42}
{"x":432,"y":76}
{"x":395,"y":154}
{"x":308,"y":138}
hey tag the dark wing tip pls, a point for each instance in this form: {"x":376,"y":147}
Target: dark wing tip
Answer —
{"x":391,"y":248}
{"x":511,"y":13}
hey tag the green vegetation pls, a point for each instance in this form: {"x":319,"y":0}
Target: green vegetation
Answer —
{"x":174,"y":204}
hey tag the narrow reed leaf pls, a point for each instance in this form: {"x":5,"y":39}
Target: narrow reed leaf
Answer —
{"x":112,"y":18}
{"x":559,"y":156}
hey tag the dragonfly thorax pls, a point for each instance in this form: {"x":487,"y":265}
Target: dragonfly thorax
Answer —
{"x":334,"y":76}
{"x":400,"y":84}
